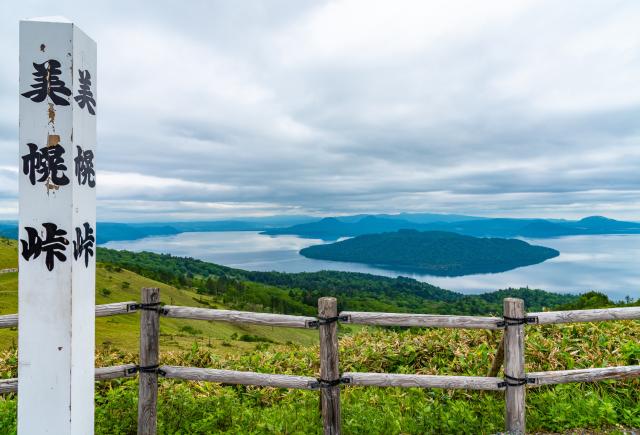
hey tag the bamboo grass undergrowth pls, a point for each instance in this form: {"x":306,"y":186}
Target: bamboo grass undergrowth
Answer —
{"x":200,"y":408}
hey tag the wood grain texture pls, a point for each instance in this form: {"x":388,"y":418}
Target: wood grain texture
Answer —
{"x":598,"y":315}
{"x":382,"y":319}
{"x":421,"y":320}
{"x":11,"y":320}
{"x":423,"y":381}
{"x":8,"y":385}
{"x":8,"y":320}
{"x":114,"y":309}
{"x":329,"y":366}
{"x":584,"y":375}
{"x":102,"y":374}
{"x":267,"y":319}
{"x":514,"y":367}
{"x":362,"y":379}
{"x":238,"y":378}
{"x":148,"y":389}
{"x":114,"y":372}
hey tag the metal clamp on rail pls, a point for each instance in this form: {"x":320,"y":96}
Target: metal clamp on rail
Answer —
{"x":326,"y":321}
{"x":510,"y":381}
{"x":146,"y":369}
{"x":153,"y":306}
{"x":514,"y":321}
{"x":324,"y":383}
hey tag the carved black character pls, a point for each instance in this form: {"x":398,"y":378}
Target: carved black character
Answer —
{"x":84,"y":167}
{"x":83,"y":245}
{"x":53,"y":245}
{"x":85,"y":96}
{"x":47,"y":162}
{"x":48,"y":84}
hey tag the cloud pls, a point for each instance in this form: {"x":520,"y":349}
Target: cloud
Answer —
{"x":224,"y":109}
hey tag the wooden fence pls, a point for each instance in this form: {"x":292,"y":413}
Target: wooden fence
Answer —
{"x":510,"y":352}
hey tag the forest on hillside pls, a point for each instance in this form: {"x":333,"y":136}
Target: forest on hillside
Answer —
{"x":297,"y":293}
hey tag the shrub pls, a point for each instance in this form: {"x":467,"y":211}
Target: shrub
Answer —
{"x":190,"y":330}
{"x":250,"y":338}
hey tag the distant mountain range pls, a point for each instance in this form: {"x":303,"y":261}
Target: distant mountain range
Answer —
{"x":112,"y":231}
{"x":434,"y":252}
{"x":334,"y":228}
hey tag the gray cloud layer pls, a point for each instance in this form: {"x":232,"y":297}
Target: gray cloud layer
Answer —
{"x":214,"y":109}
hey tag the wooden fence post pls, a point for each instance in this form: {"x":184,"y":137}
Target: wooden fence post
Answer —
{"x":149,"y":350}
{"x":329,"y":396}
{"x":514,"y":367}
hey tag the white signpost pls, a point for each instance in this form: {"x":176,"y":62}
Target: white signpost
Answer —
{"x":57,"y":228}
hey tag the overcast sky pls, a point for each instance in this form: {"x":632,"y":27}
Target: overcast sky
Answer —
{"x":212,"y":109}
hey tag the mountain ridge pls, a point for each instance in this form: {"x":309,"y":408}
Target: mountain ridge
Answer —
{"x":334,"y":228}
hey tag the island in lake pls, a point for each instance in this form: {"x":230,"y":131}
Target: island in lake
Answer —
{"x":433,"y":252}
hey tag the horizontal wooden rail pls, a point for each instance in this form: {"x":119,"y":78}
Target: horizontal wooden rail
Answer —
{"x":364,"y":318}
{"x":8,"y":320}
{"x":11,"y":320}
{"x":266,"y":319}
{"x":114,"y":309}
{"x":238,"y":378}
{"x":8,"y":385}
{"x":423,"y":381}
{"x":360,"y":379}
{"x":114,"y":372}
{"x":583,"y":375}
{"x":421,"y":320}
{"x":598,"y":315}
{"x":102,"y":374}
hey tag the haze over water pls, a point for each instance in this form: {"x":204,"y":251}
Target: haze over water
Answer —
{"x":606,"y":263}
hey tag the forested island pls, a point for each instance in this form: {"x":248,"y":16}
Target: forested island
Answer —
{"x":433,"y":252}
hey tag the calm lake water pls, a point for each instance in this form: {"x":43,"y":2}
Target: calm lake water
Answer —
{"x":610,"y":264}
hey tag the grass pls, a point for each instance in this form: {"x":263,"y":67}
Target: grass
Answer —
{"x":8,"y":254}
{"x":122,"y":332}
{"x":201,"y":408}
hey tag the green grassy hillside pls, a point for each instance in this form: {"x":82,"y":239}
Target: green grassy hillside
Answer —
{"x":8,"y":254}
{"x":121,"y":332}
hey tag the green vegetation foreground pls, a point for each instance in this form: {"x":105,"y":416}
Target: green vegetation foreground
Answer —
{"x":204,"y":408}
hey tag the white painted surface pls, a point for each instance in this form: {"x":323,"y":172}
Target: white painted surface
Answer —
{"x":51,"y":19}
{"x":56,"y":307}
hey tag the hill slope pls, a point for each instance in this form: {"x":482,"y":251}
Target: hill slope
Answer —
{"x":434,"y":252}
{"x":297,"y":293}
{"x":114,"y":284}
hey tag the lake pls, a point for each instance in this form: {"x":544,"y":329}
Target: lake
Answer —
{"x":610,"y":264}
